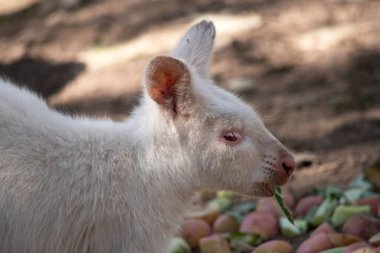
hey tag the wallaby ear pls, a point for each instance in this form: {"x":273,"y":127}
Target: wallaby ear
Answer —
{"x":195,"y":47}
{"x":167,"y":82}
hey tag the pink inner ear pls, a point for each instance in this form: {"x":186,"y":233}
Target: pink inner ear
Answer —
{"x":163,"y":88}
{"x":163,"y":75}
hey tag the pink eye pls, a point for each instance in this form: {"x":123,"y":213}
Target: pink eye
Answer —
{"x":231,"y":137}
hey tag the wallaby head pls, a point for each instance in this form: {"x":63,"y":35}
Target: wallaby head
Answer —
{"x":226,"y":142}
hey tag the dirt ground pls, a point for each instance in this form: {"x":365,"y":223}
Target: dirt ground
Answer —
{"x":312,"y":68}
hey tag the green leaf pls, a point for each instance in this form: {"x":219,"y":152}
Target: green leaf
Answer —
{"x":241,"y":210}
{"x":223,"y":203}
{"x":330,"y":191}
{"x":343,"y":213}
{"x":310,"y":215}
{"x":243,"y":240}
{"x":179,"y":245}
{"x":334,"y":250}
{"x":361,"y":183}
{"x":226,"y":194}
{"x":324,"y":211}
{"x":289,"y":230}
{"x":352,"y":195}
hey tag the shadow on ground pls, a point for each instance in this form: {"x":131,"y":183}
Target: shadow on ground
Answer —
{"x":129,"y":20}
{"x":115,"y":107}
{"x":357,"y":132}
{"x":44,"y":77}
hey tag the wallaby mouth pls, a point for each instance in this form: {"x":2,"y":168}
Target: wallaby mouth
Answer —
{"x":279,"y":170}
{"x":280,"y":173}
{"x":268,"y":189}
{"x":263,"y":189}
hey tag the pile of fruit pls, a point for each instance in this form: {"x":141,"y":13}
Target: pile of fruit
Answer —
{"x":330,"y":220}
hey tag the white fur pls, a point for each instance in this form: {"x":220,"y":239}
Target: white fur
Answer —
{"x":75,"y":185}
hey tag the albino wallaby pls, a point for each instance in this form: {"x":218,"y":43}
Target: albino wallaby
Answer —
{"x":75,"y":185}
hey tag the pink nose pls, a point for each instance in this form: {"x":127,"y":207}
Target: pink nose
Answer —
{"x":288,"y":163}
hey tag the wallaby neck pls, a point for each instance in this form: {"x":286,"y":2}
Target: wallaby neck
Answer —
{"x":158,"y":152}
{"x":163,"y":180}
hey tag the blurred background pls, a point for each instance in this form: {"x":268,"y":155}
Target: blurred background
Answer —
{"x":311,"y":68}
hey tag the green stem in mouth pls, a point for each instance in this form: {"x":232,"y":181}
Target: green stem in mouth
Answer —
{"x":280,"y":201}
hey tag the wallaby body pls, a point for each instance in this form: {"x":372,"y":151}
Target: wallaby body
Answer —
{"x":75,"y":185}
